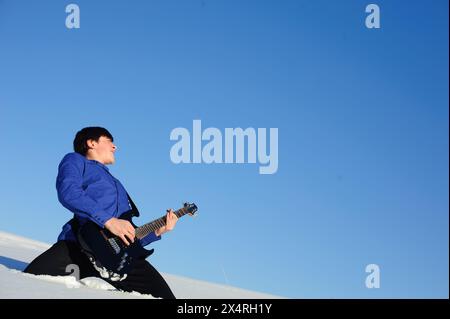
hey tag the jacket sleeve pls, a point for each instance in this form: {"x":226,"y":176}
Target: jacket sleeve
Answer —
{"x":71,"y":194}
{"x":149,"y":238}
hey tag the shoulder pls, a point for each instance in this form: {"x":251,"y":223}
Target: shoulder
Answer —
{"x":73,"y":159}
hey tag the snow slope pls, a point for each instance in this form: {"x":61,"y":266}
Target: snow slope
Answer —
{"x":16,"y":252}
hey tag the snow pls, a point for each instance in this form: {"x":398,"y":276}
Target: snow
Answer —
{"x":16,"y":252}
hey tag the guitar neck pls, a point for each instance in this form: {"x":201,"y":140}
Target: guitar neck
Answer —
{"x":148,"y":228}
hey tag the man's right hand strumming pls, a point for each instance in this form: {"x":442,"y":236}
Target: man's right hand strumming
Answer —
{"x":121,"y":228}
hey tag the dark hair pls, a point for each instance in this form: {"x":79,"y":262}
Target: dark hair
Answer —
{"x":88,"y":133}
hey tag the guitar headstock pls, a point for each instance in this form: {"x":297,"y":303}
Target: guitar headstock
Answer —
{"x":191,"y":208}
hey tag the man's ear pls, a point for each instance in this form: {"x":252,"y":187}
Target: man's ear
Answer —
{"x":90,"y":144}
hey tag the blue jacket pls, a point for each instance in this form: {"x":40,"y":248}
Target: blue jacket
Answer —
{"x":87,"y":189}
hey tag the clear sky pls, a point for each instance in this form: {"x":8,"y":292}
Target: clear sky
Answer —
{"x":362,"y":116}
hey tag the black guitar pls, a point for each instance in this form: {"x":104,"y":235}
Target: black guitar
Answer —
{"x":109,"y":254}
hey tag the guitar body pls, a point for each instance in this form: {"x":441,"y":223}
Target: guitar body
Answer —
{"x":107,"y":252}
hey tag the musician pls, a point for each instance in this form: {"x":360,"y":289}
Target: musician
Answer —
{"x":87,"y":189}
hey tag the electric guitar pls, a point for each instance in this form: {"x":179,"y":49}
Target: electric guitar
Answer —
{"x":108,"y":253}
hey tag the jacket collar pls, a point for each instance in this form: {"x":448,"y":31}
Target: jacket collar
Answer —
{"x":99,"y":164}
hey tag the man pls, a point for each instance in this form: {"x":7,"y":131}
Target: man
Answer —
{"x":86,"y":187}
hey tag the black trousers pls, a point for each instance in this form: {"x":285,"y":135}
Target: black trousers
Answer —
{"x":143,"y":277}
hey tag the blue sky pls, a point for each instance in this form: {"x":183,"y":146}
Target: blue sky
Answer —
{"x":362,"y":116}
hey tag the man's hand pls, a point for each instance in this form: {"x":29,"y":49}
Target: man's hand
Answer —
{"x":171,"y":220}
{"x":121,"y":228}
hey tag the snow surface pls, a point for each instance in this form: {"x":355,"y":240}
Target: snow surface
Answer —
{"x":16,"y":252}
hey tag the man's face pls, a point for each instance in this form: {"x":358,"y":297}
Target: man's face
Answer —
{"x":102,"y":150}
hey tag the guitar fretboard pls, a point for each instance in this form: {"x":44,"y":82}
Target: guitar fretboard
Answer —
{"x":146,"y":229}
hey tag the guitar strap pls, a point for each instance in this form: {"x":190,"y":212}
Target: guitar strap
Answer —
{"x":133,"y":206}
